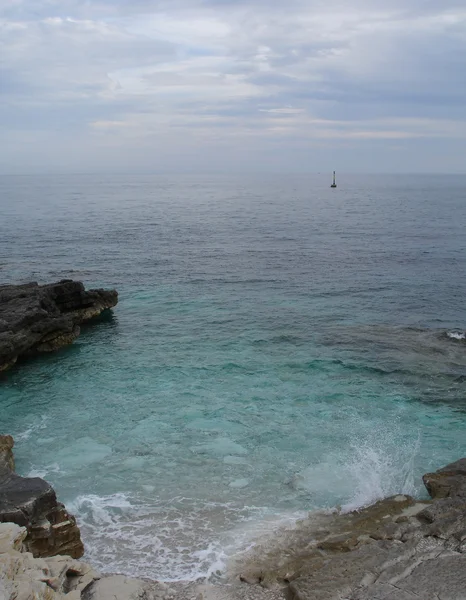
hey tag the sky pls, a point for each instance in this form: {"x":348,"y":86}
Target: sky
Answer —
{"x":233,"y":85}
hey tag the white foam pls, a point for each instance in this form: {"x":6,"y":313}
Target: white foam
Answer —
{"x":373,"y":468}
{"x":457,"y":335}
{"x":36,"y":426}
{"x":378,"y":472}
{"x":44,"y":471}
{"x":98,"y":508}
{"x":179,"y":539}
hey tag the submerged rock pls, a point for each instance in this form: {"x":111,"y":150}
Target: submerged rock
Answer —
{"x":42,"y":318}
{"x":32,"y":503}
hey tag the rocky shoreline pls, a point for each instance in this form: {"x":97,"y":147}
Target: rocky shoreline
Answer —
{"x":399,"y":548}
{"x":31,"y":502}
{"x":396,"y":549}
{"x":43,"y":318}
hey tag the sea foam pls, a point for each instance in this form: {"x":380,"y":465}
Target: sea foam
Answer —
{"x":456,"y":335}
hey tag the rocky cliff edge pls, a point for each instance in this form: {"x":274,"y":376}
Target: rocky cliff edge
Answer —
{"x":42,"y":318}
{"x":31,"y":502}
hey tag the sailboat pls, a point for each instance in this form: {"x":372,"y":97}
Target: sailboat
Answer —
{"x":334,"y":185}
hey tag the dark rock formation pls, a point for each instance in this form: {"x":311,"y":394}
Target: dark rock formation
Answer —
{"x":42,"y":318}
{"x":32,"y":503}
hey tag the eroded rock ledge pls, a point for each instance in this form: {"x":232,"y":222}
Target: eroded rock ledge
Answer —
{"x":42,"y":318}
{"x":396,"y":549}
{"x":32,"y":503}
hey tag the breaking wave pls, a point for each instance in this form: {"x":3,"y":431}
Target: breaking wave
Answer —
{"x":456,"y":335}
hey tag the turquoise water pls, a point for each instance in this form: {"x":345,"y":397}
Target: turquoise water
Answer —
{"x":278,"y":347}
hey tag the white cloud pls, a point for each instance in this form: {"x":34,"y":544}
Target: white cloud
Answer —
{"x":194,"y":70}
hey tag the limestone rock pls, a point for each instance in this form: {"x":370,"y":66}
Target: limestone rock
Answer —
{"x":31,"y":502}
{"x":11,"y":537}
{"x":42,"y":318}
{"x":396,"y":549}
{"x":23,"y":577}
{"x":284,"y":558}
{"x":119,"y":587}
{"x":447,"y":482}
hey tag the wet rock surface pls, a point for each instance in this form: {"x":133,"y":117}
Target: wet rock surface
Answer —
{"x":43,"y":318}
{"x":447,"y":482}
{"x":396,"y":549}
{"x":32,"y":503}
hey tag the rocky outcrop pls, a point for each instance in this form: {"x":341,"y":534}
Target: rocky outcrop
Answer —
{"x":447,"y":482}
{"x":23,"y":577}
{"x":396,"y":549}
{"x":42,"y":318}
{"x":31,"y":502}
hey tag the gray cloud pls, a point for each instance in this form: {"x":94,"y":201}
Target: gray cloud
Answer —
{"x":117,"y":80}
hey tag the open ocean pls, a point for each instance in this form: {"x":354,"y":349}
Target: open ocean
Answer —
{"x":278,"y":347}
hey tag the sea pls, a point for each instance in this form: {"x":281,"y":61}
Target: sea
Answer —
{"x":279,"y":347}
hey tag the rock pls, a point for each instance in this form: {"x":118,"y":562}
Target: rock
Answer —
{"x":396,"y":549}
{"x":284,"y":557}
{"x":386,"y":571}
{"x":447,"y":482}
{"x":31,"y":502}
{"x":7,"y":461}
{"x":42,"y":318}
{"x":119,"y":587}
{"x":23,"y":577}
{"x":11,"y":537}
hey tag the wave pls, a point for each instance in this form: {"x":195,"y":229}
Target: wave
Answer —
{"x":378,"y":473}
{"x":36,"y":426}
{"x":381,"y":465}
{"x":43,"y":472}
{"x":177,"y":540}
{"x":456,"y":335}
{"x":188,"y":538}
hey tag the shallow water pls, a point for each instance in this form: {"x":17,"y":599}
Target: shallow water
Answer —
{"x":278,"y":347}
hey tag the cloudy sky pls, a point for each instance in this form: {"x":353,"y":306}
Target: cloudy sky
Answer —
{"x":220,"y":85}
